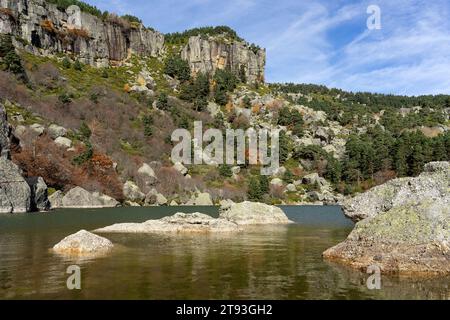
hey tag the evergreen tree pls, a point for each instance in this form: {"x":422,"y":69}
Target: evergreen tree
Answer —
{"x":254,"y":190}
{"x":177,"y":68}
{"x":225,"y":171}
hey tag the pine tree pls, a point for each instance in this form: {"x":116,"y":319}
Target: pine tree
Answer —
{"x":254,"y":190}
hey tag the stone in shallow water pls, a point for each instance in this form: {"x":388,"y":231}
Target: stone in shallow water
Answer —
{"x":178,"y":223}
{"x":83,"y":243}
{"x":253,"y":213}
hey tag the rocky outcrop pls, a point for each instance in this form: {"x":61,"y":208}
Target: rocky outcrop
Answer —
{"x":154,"y":198}
{"x":15,"y":193}
{"x":81,"y":198}
{"x":83,"y":243}
{"x":209,"y":55}
{"x":180,"y":223}
{"x":95,"y":41}
{"x":56,"y":131}
{"x":102,"y":41}
{"x":406,"y":228}
{"x":433,"y":183}
{"x":39,"y":194}
{"x":132,"y":192}
{"x":253,"y":213}
{"x":147,"y":174}
{"x":413,"y":238}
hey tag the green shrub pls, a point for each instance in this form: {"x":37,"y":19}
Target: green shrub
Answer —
{"x":225,"y":171}
{"x":78,"y":65}
{"x":66,"y":63}
{"x":65,"y":98}
{"x":163,"y":101}
{"x":177,"y":68}
{"x":147,"y":120}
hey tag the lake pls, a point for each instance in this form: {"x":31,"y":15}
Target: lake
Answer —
{"x":282,"y":262}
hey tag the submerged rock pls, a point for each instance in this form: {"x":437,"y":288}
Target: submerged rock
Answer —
{"x":180,"y":223}
{"x":83,"y":243}
{"x":407,"y":229}
{"x":253,"y":213}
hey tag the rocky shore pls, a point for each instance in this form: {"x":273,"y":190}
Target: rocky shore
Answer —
{"x":403,"y":226}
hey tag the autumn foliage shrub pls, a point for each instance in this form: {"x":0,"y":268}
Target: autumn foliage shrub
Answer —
{"x":43,"y":158}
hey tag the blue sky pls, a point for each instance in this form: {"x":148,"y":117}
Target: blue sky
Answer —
{"x":324,"y":42}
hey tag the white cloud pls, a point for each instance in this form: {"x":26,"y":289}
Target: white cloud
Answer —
{"x":410,"y":55}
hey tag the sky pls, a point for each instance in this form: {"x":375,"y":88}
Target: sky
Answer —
{"x":322,"y":41}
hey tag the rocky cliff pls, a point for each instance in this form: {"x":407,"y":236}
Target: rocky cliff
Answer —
{"x":42,"y":28}
{"x":208,"y":55}
{"x":46,"y":29}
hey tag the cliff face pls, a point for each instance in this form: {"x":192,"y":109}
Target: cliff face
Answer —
{"x":208,"y":55}
{"x":98,"y":42}
{"x":5,"y":133}
{"x":95,"y":41}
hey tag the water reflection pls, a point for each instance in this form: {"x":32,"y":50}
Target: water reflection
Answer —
{"x":262,"y":263}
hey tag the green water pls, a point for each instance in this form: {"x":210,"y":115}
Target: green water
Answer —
{"x":263,"y":263}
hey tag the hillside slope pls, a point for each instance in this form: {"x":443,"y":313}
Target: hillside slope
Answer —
{"x":98,"y":111}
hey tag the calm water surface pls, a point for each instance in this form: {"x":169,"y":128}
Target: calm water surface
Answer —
{"x":263,"y":263}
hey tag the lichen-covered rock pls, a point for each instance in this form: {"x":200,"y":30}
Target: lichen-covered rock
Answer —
{"x":83,"y":243}
{"x":433,"y":183}
{"x":253,"y":213}
{"x":15,"y":193}
{"x":180,"y":223}
{"x":411,"y":238}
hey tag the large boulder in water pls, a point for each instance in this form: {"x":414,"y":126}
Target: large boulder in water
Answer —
{"x":410,"y":234}
{"x":180,"y":223}
{"x":15,"y":193}
{"x":433,"y":183}
{"x":83,"y":243}
{"x":253,"y":213}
